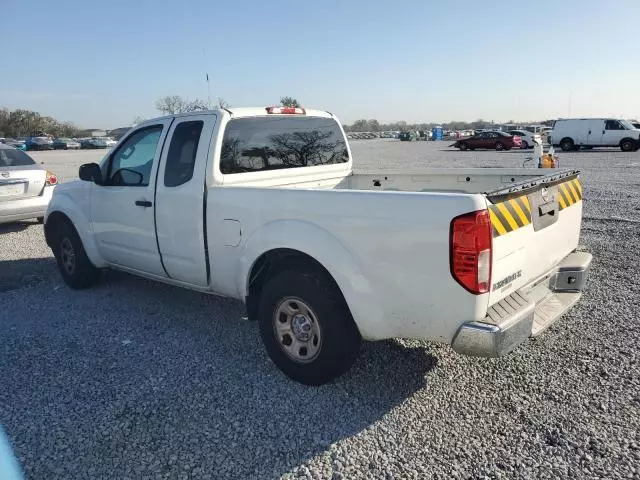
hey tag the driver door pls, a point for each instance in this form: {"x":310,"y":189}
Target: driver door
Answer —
{"x":123,"y":206}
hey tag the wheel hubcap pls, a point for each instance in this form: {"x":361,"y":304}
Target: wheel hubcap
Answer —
{"x":297,"y":329}
{"x":67,"y":255}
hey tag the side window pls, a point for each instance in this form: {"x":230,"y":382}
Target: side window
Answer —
{"x":269,"y":143}
{"x":181,"y":158}
{"x":131,"y":164}
{"x":613,"y":125}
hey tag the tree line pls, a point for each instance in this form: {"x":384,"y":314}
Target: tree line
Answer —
{"x":23,"y":123}
{"x":172,"y":104}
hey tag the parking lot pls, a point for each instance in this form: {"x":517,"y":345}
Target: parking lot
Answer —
{"x":134,"y":379}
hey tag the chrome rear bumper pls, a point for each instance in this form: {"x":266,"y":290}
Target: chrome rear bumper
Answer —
{"x":527,"y":312}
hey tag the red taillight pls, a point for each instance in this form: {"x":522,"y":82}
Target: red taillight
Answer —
{"x":286,"y":110}
{"x":471,"y":240}
{"x":51,"y":179}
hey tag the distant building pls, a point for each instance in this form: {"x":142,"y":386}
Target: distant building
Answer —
{"x":92,"y":132}
{"x":118,"y":133}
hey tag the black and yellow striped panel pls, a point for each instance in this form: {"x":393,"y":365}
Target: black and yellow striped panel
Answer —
{"x":569,"y":193}
{"x":510,"y":215}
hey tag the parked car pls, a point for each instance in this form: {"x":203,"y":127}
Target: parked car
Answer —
{"x":489,"y":140}
{"x":39,"y":143}
{"x":529,"y":139}
{"x":92,"y":143}
{"x":25,"y":186}
{"x":574,"y":133}
{"x":12,"y":142}
{"x":227,"y":202}
{"x":65,"y":144}
{"x":109,"y":142}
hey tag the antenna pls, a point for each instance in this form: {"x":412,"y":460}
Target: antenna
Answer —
{"x":204,"y":56}
{"x":208,"y":91}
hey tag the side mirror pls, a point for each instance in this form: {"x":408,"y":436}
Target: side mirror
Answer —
{"x":90,"y":172}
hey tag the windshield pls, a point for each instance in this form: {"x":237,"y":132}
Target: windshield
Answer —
{"x":627,"y":124}
{"x":11,"y":157}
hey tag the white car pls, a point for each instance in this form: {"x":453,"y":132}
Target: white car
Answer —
{"x":26,"y":187}
{"x":262,"y":205}
{"x":529,"y":139}
{"x":573,"y":133}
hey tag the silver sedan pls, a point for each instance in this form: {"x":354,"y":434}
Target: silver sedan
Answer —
{"x":25,"y":186}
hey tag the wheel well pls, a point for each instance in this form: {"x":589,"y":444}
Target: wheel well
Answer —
{"x":54,"y":221}
{"x":273,"y":262}
{"x":625,"y":139}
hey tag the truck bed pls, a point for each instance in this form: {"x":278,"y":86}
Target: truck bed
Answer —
{"x":443,"y":180}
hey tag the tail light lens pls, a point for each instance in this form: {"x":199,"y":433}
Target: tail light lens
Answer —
{"x":470,"y":251}
{"x":52,"y":179}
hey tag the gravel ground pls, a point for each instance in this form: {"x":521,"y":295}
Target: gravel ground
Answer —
{"x":140,"y":380}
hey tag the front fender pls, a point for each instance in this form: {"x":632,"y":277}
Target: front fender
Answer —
{"x":330,"y":252}
{"x":73,"y":199}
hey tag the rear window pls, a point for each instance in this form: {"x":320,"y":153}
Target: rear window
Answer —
{"x":269,"y":143}
{"x":12,"y":157}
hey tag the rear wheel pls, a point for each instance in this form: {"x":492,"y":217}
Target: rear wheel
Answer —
{"x":566,"y":145}
{"x":306,"y":326}
{"x":525,"y":145}
{"x":499,"y":146}
{"x":627,"y":145}
{"x":75,"y":267}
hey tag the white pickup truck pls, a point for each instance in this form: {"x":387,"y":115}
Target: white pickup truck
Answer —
{"x":261,"y":204}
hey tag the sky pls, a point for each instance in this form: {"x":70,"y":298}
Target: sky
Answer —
{"x":101,"y":64}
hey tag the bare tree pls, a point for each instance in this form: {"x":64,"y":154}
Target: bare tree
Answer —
{"x":289,"y":102}
{"x":170,"y":104}
{"x":222,"y":103}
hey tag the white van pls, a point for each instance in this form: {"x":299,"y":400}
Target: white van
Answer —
{"x":573,"y":133}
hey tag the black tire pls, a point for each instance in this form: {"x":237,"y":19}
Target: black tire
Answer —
{"x":499,"y":146}
{"x":40,"y":219}
{"x":566,"y":145}
{"x":463,"y":147}
{"x":331,"y":329}
{"x":627,"y":145}
{"x":79,"y":273}
{"x":525,"y":145}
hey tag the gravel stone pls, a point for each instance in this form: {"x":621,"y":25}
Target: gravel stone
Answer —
{"x":134,"y":379}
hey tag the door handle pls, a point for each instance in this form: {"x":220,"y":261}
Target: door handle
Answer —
{"x":143,"y":203}
{"x":603,"y":132}
{"x":589,"y":132}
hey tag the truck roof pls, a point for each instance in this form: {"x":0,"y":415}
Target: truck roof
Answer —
{"x":242,"y":112}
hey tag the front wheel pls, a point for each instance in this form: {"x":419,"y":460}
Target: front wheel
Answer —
{"x":75,"y":267}
{"x":627,"y":145}
{"x":463,"y":147}
{"x":306,"y":327}
{"x":525,"y":145}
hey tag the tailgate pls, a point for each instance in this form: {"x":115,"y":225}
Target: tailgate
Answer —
{"x":535,"y":225}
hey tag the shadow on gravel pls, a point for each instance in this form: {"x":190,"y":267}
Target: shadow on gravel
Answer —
{"x":15,"y":227}
{"x":17,"y":274}
{"x":136,"y":376}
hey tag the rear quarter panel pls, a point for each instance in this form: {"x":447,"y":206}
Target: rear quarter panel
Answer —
{"x":387,"y":251}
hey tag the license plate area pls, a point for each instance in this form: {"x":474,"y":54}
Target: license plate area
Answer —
{"x":12,"y":189}
{"x":545,"y":207}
